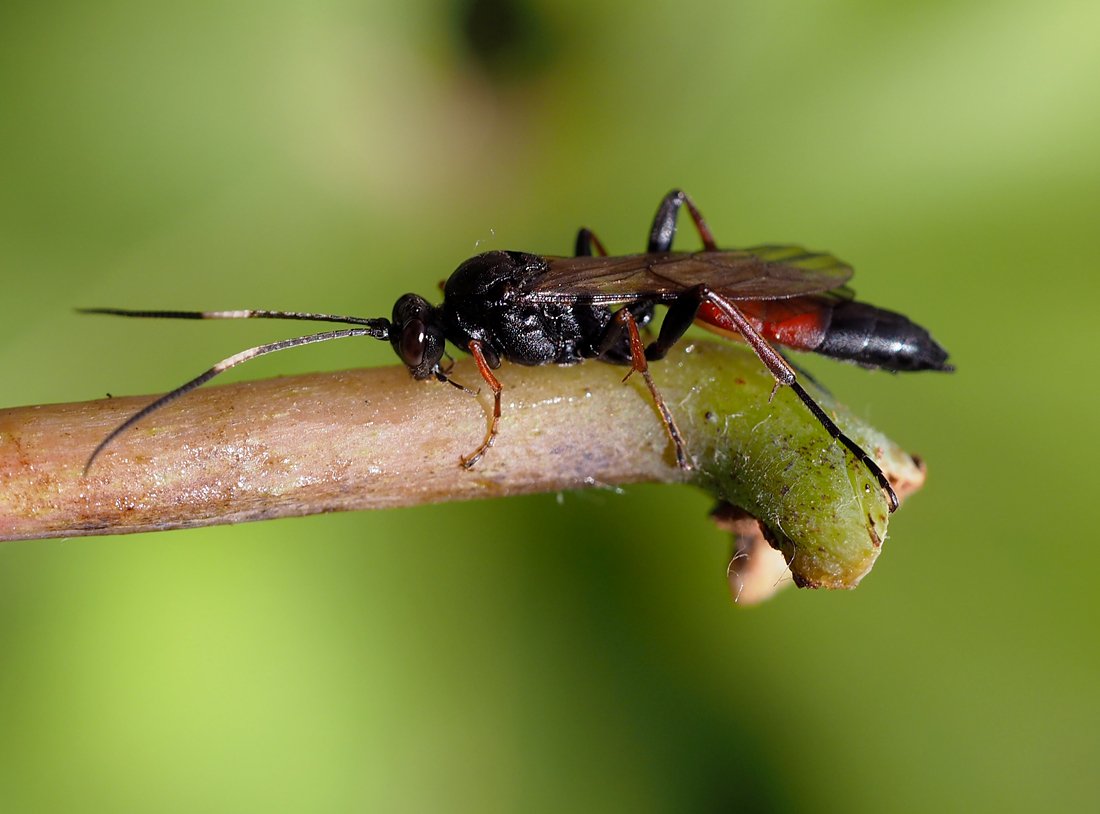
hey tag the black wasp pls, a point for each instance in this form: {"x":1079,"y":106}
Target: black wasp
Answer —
{"x":534,"y":309}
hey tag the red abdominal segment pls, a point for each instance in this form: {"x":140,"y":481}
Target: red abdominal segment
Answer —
{"x":800,"y":322}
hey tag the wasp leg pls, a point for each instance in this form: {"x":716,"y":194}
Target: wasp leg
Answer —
{"x":586,"y":240}
{"x":624,"y":321}
{"x":679,"y":317}
{"x":614,"y":347}
{"x":487,"y":374}
{"x":806,"y":376}
{"x":683,"y":311}
{"x":664,"y":223}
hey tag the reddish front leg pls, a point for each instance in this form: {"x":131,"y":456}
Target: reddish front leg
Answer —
{"x":487,"y":374}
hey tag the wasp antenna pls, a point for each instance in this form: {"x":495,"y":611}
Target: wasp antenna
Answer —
{"x":221,"y":367}
{"x":379,"y":325}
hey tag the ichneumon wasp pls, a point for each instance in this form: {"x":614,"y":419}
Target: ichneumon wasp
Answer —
{"x":534,"y":309}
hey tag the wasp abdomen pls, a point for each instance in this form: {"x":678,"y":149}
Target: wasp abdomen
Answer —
{"x":875,"y":337}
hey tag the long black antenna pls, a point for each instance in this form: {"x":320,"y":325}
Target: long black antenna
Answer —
{"x":248,"y":313}
{"x":376,"y":328}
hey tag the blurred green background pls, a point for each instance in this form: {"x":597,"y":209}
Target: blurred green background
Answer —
{"x":578,"y":653}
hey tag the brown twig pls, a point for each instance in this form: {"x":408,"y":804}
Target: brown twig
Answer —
{"x":361,"y":439}
{"x":375,"y":438}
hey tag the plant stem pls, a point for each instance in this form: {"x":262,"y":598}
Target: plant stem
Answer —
{"x":369,"y":439}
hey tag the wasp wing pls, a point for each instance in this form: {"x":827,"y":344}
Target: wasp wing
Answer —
{"x":756,"y":273}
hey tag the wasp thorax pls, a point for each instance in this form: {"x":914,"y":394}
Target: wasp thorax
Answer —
{"x":417,"y":335}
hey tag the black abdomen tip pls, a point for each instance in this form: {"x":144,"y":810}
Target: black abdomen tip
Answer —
{"x":875,"y":337}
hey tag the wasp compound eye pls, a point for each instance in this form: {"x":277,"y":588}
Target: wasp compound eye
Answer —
{"x":411,"y":345}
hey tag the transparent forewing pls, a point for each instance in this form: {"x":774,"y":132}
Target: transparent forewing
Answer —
{"x":755,"y":273}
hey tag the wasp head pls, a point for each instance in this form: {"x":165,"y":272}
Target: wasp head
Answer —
{"x":417,"y":335}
